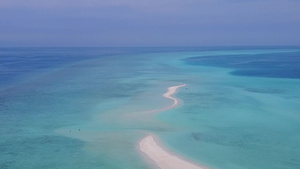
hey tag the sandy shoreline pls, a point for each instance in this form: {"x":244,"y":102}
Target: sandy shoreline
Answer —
{"x":162,"y":157}
{"x":169,"y":95}
{"x":154,"y":151}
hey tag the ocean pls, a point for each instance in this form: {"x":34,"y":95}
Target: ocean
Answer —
{"x":83,"y":107}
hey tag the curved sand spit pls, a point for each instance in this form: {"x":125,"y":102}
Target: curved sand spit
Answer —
{"x":162,"y":158}
{"x":169,"y":95}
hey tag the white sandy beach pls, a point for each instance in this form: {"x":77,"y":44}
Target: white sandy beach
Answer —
{"x":162,"y":158}
{"x":169,"y":95}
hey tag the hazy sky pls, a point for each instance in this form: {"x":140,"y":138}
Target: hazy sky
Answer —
{"x":149,"y":22}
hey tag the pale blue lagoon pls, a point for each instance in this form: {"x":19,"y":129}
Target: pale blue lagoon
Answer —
{"x":72,"y":108}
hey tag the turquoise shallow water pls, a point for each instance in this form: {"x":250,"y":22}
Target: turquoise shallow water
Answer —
{"x":80,"y":108}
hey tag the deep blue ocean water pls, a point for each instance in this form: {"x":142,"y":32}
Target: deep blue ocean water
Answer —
{"x":78,"y":107}
{"x":276,"y":65}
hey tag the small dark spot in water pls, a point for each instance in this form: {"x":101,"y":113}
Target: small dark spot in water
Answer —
{"x":196,"y":136}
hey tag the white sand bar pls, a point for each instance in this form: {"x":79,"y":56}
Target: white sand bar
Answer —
{"x":162,"y":158}
{"x":169,"y":95}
